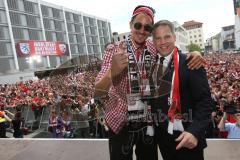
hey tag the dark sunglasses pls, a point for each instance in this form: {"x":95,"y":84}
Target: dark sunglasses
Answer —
{"x":147,"y":27}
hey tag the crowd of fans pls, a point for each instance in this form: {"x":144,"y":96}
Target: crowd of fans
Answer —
{"x":223,"y":72}
{"x":73,"y":111}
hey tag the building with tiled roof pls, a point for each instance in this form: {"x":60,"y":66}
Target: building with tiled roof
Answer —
{"x":195,"y":32}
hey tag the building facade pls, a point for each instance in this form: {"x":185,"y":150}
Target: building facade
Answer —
{"x":214,"y":44}
{"x":86,"y":35}
{"x":237,"y":23}
{"x":195,"y":33}
{"x":228,"y":37}
{"x":181,"y":37}
{"x":119,"y":37}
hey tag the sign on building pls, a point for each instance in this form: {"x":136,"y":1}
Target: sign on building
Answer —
{"x":42,"y":48}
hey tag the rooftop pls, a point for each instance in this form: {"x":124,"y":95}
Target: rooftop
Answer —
{"x":191,"y":23}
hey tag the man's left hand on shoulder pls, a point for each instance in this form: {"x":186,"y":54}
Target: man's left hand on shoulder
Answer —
{"x":186,"y":140}
{"x":196,"y":60}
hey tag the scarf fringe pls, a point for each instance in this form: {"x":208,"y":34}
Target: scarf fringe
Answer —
{"x":150,"y":131}
{"x":176,"y":125}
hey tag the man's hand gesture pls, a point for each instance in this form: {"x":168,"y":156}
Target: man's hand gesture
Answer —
{"x":119,"y":61}
{"x":186,"y":140}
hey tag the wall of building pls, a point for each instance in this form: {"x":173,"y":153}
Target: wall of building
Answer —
{"x":181,"y":37}
{"x":13,"y":78}
{"x":237,"y":32}
{"x":38,"y":20}
{"x":196,"y":36}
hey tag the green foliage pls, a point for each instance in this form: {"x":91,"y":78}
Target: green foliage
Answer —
{"x":193,"y":47}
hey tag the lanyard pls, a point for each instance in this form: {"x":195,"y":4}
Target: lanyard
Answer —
{"x":135,"y":69}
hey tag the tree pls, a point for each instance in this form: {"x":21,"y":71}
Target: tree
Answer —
{"x":193,"y":47}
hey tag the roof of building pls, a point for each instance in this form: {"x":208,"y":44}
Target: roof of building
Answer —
{"x":191,"y":23}
{"x":226,"y":28}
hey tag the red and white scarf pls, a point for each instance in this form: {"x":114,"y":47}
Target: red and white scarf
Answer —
{"x":174,"y":112}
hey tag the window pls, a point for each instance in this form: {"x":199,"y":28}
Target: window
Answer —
{"x":93,"y":30}
{"x":2,"y":4}
{"x":13,"y":4}
{"x":58,"y":25}
{"x":91,"y":22}
{"x":50,"y":12}
{"x":95,"y":49}
{"x":199,"y":35}
{"x":28,"y":6}
{"x":60,"y":36}
{"x":95,"y":40}
{"x":34,"y":34}
{"x":46,"y":23}
{"x":70,"y":37}
{"x":56,"y":13}
{"x":70,"y":27}
{"x":105,"y":32}
{"x":44,"y":11}
{"x":104,"y":24}
{"x":48,"y":36}
{"x":102,"y":40}
{"x":69,"y":16}
{"x":90,"y":49}
{"x":5,"y":48}
{"x":74,"y":38}
{"x":80,"y":39}
{"x":105,"y":40}
{"x":87,"y":30}
{"x":31,"y":21}
{"x":15,"y":18}
{"x":195,"y":40}
{"x":77,"y":28}
{"x":89,"y":40}
{"x":86,"y":21}
{"x":76,"y":18}
{"x":74,"y":48}
{"x":3,"y":17}
{"x":17,"y":33}
{"x":4,"y":33}
{"x":81,"y":49}
{"x":100,"y":31}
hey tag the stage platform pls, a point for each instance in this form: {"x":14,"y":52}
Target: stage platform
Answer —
{"x":93,"y":149}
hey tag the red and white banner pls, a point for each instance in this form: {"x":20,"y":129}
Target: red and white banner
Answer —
{"x":42,"y":48}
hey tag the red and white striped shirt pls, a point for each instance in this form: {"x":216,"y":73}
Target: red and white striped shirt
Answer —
{"x":116,"y":107}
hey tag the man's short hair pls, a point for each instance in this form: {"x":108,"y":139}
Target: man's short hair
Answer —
{"x":163,"y":23}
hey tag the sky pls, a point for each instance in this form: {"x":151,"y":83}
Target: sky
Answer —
{"x":214,"y":14}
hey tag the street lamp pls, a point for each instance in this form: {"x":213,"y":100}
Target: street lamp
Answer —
{"x":34,"y":59}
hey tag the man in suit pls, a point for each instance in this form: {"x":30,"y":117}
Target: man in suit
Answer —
{"x":182,"y":102}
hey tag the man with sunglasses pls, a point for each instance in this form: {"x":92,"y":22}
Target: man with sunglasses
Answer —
{"x":124,"y":76}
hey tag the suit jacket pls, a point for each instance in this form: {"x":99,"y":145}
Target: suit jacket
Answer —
{"x":196,"y":102}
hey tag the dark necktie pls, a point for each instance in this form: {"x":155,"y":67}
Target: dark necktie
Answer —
{"x":160,"y":70}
